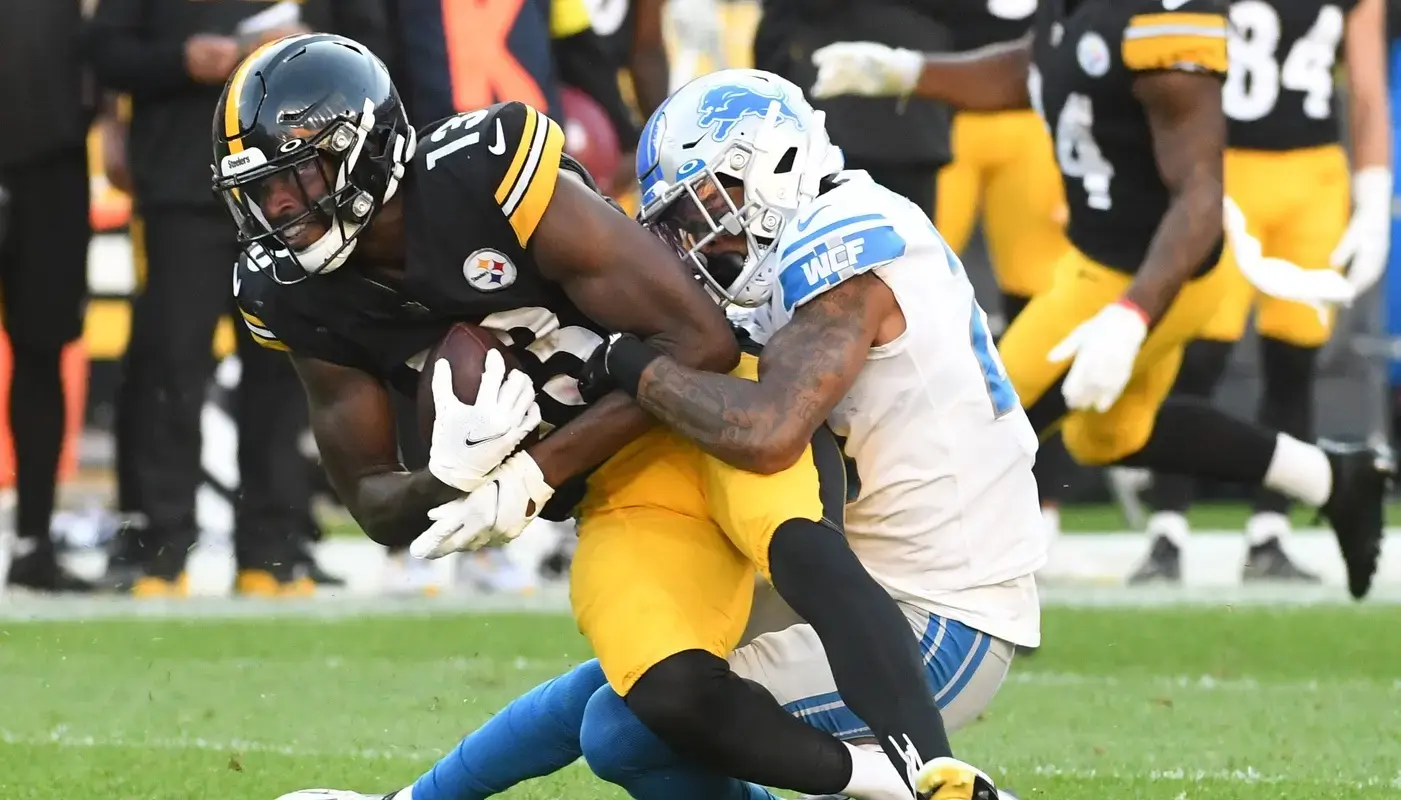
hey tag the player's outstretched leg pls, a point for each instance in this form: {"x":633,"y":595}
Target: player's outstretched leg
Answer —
{"x":536,"y":735}
{"x":621,"y":750}
{"x":1347,"y":483}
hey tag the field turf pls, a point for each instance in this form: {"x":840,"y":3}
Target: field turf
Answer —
{"x":1165,"y":703}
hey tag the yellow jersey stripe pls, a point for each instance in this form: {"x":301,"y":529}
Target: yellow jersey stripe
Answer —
{"x":1176,"y":41}
{"x":532,"y":193}
{"x":271,"y":344}
{"x":503,"y":190}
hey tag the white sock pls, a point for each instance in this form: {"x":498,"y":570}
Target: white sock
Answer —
{"x":873,"y":777}
{"x":1169,"y":525}
{"x":1264,"y":526}
{"x":1300,"y":470}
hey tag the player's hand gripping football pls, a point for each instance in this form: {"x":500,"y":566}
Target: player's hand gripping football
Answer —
{"x":865,"y":68}
{"x":1363,"y":249}
{"x":469,"y":441}
{"x":494,"y":514}
{"x":1103,"y":349}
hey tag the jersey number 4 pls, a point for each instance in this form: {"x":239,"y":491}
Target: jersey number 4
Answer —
{"x":1077,"y":152}
{"x":1256,"y":77}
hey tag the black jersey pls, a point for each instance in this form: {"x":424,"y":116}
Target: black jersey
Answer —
{"x":1279,"y":94}
{"x":473,"y":193}
{"x":615,"y":22}
{"x":979,"y":23}
{"x":1084,"y":63}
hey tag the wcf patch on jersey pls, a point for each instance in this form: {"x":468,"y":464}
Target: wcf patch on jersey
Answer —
{"x":488,"y":270}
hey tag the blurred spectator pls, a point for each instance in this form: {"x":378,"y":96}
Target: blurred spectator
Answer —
{"x":902,"y":143}
{"x":45,"y":110}
{"x":172,"y":57}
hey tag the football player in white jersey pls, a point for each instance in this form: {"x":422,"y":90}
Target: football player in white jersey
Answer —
{"x":871,"y":326}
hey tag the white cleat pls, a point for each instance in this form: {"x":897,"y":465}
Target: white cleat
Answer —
{"x":332,"y":794}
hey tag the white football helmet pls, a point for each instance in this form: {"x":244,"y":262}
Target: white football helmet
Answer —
{"x":734,"y":129}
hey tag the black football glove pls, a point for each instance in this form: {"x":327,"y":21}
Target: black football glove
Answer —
{"x":618,"y":363}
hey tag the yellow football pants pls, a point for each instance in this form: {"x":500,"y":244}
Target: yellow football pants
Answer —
{"x":1296,"y":202}
{"x":669,"y":540}
{"x":1080,"y":289}
{"x":1004,"y":165}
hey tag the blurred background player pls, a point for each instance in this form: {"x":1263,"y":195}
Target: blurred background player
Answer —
{"x":902,"y":143}
{"x":1132,"y":95}
{"x":172,"y":58}
{"x":44,"y":234}
{"x":1004,"y":178}
{"x":1287,"y":170}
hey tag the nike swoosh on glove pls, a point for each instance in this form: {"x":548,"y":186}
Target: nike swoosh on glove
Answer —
{"x":469,"y":441}
{"x":1104,"y":349}
{"x":1365,"y":243}
{"x":865,"y":68}
{"x":494,"y":514}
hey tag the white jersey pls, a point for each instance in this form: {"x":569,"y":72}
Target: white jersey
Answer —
{"x":947,"y":517}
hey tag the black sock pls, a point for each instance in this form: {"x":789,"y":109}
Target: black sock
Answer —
{"x":1286,"y":403}
{"x":1203,"y":364}
{"x":1192,"y":437}
{"x":870,"y":647}
{"x":704,"y":711}
{"x":36,"y":426}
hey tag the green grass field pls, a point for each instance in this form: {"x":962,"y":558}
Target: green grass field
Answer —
{"x":1171,"y":703}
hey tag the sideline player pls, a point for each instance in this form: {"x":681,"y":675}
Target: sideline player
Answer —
{"x":1279,"y":98}
{"x":1132,"y":94}
{"x":944,"y":511}
{"x":366,"y":242}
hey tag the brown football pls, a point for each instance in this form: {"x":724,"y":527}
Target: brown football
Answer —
{"x":465,"y":347}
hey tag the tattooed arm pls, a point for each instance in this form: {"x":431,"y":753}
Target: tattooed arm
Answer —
{"x":1189,"y":140}
{"x":809,"y":364}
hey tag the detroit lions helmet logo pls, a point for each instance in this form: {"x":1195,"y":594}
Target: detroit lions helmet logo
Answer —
{"x":723,"y":107}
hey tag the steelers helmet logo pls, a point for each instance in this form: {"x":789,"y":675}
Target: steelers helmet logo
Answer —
{"x":488,"y":270}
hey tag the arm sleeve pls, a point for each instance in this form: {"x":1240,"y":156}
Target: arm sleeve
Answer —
{"x":522,"y":176}
{"x":124,"y":60}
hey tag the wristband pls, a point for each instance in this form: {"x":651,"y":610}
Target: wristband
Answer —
{"x":1135,"y":308}
{"x":628,"y":357}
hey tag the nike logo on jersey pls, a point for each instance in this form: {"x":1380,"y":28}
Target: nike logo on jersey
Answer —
{"x":499,"y":146}
{"x":803,"y":223}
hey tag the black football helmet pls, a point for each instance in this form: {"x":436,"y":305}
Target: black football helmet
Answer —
{"x":310,"y":142}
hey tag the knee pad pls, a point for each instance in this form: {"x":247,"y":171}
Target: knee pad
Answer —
{"x":615,"y":743}
{"x":677,"y":697}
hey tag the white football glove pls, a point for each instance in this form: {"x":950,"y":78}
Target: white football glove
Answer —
{"x":496,"y":513}
{"x":1104,"y":349}
{"x":865,"y":68}
{"x":1364,"y":245}
{"x":1320,"y":289}
{"x":469,"y":441}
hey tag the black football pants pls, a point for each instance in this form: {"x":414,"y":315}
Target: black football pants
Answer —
{"x":187,"y":257}
{"x":43,"y":286}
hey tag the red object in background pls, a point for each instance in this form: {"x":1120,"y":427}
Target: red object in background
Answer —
{"x":589,"y":135}
{"x":75,"y":388}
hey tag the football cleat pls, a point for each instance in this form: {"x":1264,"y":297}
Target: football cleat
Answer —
{"x":334,"y":794}
{"x":951,"y":779}
{"x":1362,"y":474}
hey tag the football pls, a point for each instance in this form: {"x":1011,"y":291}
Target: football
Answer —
{"x":589,"y":135}
{"x":465,"y":347}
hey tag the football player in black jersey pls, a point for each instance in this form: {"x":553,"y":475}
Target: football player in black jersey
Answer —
{"x":1279,"y":100}
{"x":1131,"y":91}
{"x":366,"y":241}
